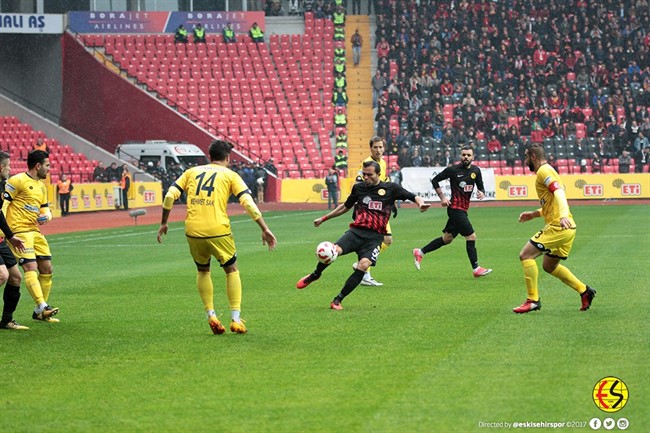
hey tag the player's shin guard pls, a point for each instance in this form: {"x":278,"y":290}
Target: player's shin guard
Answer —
{"x":470,"y":246}
{"x":352,"y":282}
{"x":530,"y":276}
{"x":46,"y":284}
{"x":566,"y":276}
{"x":204,"y":284}
{"x":34,"y":287}
{"x":233,"y":289}
{"x":10,"y":297}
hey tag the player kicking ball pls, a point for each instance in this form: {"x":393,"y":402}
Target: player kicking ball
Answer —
{"x":373,"y":202}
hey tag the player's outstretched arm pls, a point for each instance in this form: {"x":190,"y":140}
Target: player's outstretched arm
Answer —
{"x":339,"y":210}
{"x":268,"y":238}
{"x":421,"y":203}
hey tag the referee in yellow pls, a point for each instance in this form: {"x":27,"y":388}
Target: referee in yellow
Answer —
{"x":554,"y":240}
{"x":207,"y":227}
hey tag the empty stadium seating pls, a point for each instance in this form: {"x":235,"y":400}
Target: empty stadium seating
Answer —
{"x":262,"y":97}
{"x":18,"y":138}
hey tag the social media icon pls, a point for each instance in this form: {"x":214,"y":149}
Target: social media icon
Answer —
{"x":609,"y":423}
{"x":595,"y":423}
{"x":622,"y":423}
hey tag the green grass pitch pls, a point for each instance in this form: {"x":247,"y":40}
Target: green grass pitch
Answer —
{"x":430,"y":351}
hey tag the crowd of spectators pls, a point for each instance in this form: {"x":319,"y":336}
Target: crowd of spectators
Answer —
{"x":476,"y":72}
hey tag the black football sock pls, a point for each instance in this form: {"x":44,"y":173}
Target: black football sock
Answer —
{"x":433,"y":245}
{"x":320,"y":267}
{"x":353,"y":281}
{"x":10,"y":297}
{"x":470,"y":246}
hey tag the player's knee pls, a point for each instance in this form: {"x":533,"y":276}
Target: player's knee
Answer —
{"x":14,"y":276}
{"x":363,"y":264}
{"x":44,"y":267}
{"x":230,"y":268}
{"x":549,"y":267}
{"x":4,"y":275}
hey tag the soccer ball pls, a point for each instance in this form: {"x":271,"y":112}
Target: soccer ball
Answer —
{"x":326,"y":252}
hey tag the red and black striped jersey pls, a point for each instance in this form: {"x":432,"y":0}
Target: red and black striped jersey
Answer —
{"x":373,"y":205}
{"x":462,"y":181}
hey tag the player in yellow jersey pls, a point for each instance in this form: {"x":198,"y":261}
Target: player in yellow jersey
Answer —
{"x":207,"y":227}
{"x":554,"y":240}
{"x":26,"y":207}
{"x":9,"y":272}
{"x":376,"y":154}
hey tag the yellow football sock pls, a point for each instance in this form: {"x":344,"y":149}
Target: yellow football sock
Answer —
{"x":530,"y":276}
{"x":233,"y":289}
{"x":384,"y":246}
{"x":34,"y":287}
{"x":206,"y":290}
{"x":566,"y":276}
{"x":46,"y":284}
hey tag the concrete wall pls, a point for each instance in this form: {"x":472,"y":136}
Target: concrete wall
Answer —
{"x":30,"y":71}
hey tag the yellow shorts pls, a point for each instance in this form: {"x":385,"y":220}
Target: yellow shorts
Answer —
{"x":388,"y":232}
{"x":222,"y":248}
{"x":36,"y":247}
{"x":554,"y":241}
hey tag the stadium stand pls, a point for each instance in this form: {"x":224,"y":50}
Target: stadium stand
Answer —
{"x":273,"y":100}
{"x":18,"y":139}
{"x":488,"y":66}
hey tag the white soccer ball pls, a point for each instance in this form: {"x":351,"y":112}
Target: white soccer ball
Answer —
{"x":326,"y":252}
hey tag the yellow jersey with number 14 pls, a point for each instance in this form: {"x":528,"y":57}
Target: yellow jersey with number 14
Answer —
{"x":208,"y":188}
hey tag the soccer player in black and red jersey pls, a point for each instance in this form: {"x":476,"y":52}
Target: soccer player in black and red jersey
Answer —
{"x":463,"y":177}
{"x":373,"y":203}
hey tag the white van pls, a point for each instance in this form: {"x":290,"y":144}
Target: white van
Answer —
{"x":183,"y":153}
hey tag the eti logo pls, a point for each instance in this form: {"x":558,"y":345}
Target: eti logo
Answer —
{"x":628,"y":189}
{"x":593,"y":190}
{"x":517,"y":191}
{"x":149,"y":197}
{"x":610,"y":394}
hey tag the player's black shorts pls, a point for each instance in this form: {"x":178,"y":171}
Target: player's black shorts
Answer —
{"x":458,"y":222}
{"x":6,"y":256}
{"x":365,"y":243}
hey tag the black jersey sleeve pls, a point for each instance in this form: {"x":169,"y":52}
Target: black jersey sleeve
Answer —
{"x":444,"y":174}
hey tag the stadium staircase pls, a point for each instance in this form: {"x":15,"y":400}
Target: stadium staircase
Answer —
{"x":360,"y":113}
